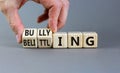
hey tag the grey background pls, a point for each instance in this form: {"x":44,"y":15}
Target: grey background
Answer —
{"x":102,"y":16}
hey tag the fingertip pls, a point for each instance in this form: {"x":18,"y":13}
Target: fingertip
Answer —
{"x":38,"y":20}
{"x":19,"y":36}
{"x":52,"y":28}
{"x":19,"y":39}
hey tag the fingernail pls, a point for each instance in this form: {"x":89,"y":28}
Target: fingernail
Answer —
{"x":17,"y":38}
{"x":53,"y":29}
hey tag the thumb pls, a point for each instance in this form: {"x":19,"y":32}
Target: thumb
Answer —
{"x":15,"y":23}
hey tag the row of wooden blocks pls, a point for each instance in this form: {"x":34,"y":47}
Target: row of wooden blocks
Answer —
{"x":44,"y":38}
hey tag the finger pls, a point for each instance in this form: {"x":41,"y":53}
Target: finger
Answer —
{"x":63,"y":15}
{"x":15,"y":23}
{"x":22,"y":3}
{"x":43,"y":17}
{"x":54,"y":12}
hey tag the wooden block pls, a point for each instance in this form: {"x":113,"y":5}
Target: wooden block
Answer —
{"x":74,"y":40}
{"x":44,"y":38}
{"x":60,"y":40}
{"x":90,"y":39}
{"x":29,"y":38}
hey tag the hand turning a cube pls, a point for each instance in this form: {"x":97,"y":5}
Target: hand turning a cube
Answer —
{"x":55,"y":11}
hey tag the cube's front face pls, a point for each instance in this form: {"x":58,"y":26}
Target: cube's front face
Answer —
{"x":44,"y":42}
{"x":75,"y":40}
{"x":90,"y":40}
{"x":44,"y":38}
{"x":60,"y":40}
{"x":29,"y":38}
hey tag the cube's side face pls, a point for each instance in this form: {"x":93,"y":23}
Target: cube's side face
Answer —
{"x":44,"y":38}
{"x":75,"y":40}
{"x":29,"y":38}
{"x":90,"y":40}
{"x":60,"y":40}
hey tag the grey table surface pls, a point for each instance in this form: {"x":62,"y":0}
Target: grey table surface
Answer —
{"x":101,"y":16}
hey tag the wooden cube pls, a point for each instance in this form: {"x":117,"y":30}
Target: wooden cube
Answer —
{"x":90,"y":39}
{"x":74,"y":40}
{"x":60,"y":40}
{"x":29,"y":38}
{"x":44,"y":38}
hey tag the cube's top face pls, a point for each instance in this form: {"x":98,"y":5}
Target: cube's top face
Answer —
{"x":90,"y":33}
{"x":60,"y":33}
{"x":74,"y":33}
{"x":44,"y":32}
{"x":30,"y":32}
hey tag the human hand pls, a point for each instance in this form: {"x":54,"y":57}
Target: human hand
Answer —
{"x":10,"y":10}
{"x":55,"y":11}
